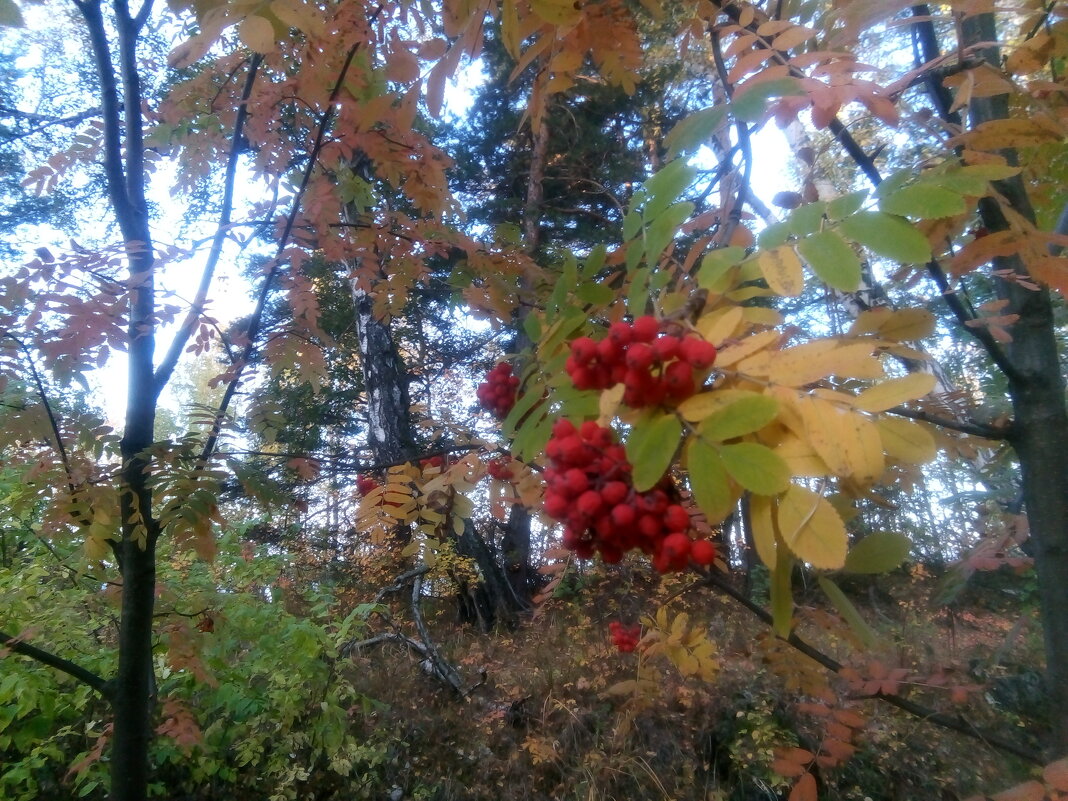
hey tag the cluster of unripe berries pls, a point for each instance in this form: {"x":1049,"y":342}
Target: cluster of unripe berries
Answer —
{"x":653,"y":369}
{"x":589,"y":489}
{"x":497,"y":393}
{"x":625,"y":638}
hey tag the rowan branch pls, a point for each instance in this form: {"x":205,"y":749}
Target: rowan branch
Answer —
{"x":110,"y":105}
{"x":958,"y":723}
{"x":934,"y":269}
{"x":196,"y":307}
{"x":15,"y":645}
{"x":253,"y":329}
{"x":965,"y":427}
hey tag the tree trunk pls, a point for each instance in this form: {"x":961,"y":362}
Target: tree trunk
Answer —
{"x":1040,"y":427}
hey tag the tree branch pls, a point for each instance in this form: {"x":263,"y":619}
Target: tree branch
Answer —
{"x":253,"y":329}
{"x":17,"y":646}
{"x":196,"y":307}
{"x":957,"y":724}
{"x":965,"y":427}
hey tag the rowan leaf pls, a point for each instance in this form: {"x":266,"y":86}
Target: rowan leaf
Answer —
{"x":741,"y":417}
{"x":887,"y":235}
{"x":695,"y":130}
{"x":708,"y":480}
{"x":832,"y":259}
{"x":811,"y":528}
{"x":781,"y":268}
{"x":756,"y":467}
{"x":848,"y":612}
{"x":878,"y":552}
{"x":846,"y":205}
{"x":651,"y":448}
{"x":257,"y":33}
{"x":751,"y":100}
{"x":664,"y":188}
{"x":924,"y":201}
{"x":906,"y":440}
{"x":894,"y":392}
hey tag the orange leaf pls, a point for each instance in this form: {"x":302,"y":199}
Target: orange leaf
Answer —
{"x":805,"y":789}
{"x":1056,"y":774}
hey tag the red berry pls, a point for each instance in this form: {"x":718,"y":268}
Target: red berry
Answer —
{"x":614,"y":492}
{"x":624,"y":516}
{"x":584,"y":349}
{"x":666,"y":348}
{"x":621,"y":333}
{"x":590,"y":503}
{"x":645,"y":329}
{"x":640,"y":356}
{"x":676,"y":518}
{"x":698,"y":353}
{"x":576,"y":482}
{"x":703,"y":552}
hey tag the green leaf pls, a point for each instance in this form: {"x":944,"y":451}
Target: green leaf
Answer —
{"x":756,"y":467}
{"x":832,"y":259}
{"x":708,"y":480}
{"x":594,"y":262}
{"x":632,"y":223}
{"x":638,"y":295}
{"x":662,"y":230}
{"x":842,"y":207}
{"x":773,"y":236}
{"x":744,"y":416}
{"x":664,"y":188}
{"x":651,"y":447}
{"x":848,"y":612}
{"x":924,"y":201}
{"x":879,"y":552}
{"x":596,"y":294}
{"x":749,"y":105}
{"x":532,"y":327}
{"x":717,"y":265}
{"x":973,"y":179}
{"x":807,"y":219}
{"x":782,"y":597}
{"x":695,"y":130}
{"x":887,"y":235}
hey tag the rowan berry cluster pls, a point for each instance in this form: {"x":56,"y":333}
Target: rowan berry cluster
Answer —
{"x":364,"y":484}
{"x":498,"y":392}
{"x":654,"y":367}
{"x":625,"y":638}
{"x":589,"y":489}
{"x":500,"y":468}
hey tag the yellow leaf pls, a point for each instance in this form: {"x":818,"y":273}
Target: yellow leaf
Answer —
{"x":608,"y":404}
{"x":758,"y":315}
{"x":556,"y":12}
{"x":812,"y":361}
{"x":257,"y":33}
{"x":894,"y":392}
{"x":801,"y":457}
{"x":782,"y":270}
{"x":812,"y":529}
{"x":1031,"y":131}
{"x":696,"y":408}
{"x":746,"y":347}
{"x":864,"y":449}
{"x":96,"y":548}
{"x":906,"y":440}
{"x":905,"y":325}
{"x":720,"y":325}
{"x":821,"y":431}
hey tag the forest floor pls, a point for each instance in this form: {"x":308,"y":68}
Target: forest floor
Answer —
{"x":561,"y":713}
